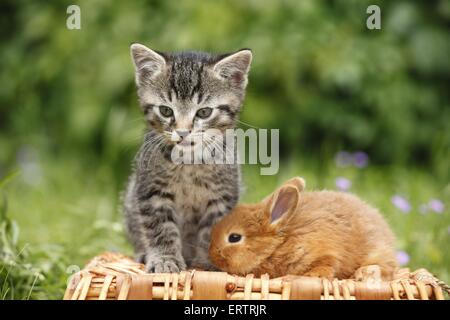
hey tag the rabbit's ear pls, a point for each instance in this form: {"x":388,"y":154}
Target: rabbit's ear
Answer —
{"x":284,"y":201}
{"x":297,"y":182}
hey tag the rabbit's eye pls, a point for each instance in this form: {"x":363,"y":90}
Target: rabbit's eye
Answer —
{"x":234,"y":237}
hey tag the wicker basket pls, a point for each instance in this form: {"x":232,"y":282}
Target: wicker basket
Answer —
{"x":116,"y":277}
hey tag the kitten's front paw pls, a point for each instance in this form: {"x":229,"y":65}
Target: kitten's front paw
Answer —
{"x":166,"y":264}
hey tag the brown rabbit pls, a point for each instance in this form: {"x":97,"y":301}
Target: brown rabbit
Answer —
{"x":322,"y":234}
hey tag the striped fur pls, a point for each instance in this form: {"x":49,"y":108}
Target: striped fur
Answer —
{"x":170,"y":208}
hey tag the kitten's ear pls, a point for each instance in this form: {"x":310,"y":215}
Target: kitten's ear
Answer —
{"x":283,"y":202}
{"x":147,"y":62}
{"x":234,"y":68}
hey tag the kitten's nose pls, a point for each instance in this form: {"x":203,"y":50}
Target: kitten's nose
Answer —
{"x":182,"y":133}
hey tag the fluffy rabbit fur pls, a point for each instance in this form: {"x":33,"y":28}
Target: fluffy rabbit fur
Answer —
{"x":322,"y":234}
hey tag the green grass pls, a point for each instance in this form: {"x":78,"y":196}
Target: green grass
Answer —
{"x":51,"y":229}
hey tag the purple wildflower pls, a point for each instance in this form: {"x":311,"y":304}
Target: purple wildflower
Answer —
{"x":436,"y":205}
{"x":343,"y":159}
{"x":343,"y":184}
{"x":401,"y":203}
{"x":402,"y":257}
{"x":360,"y":159}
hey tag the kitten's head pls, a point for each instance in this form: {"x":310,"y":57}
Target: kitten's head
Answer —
{"x":184,"y":94}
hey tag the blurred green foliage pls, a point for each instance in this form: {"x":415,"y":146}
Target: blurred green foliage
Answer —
{"x":24,"y":269}
{"x":318,"y":73}
{"x":73,"y":215}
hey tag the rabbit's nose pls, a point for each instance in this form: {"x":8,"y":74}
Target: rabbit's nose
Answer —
{"x":219,"y":253}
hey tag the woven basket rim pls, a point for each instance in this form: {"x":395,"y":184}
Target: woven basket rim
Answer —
{"x":114,"y":276}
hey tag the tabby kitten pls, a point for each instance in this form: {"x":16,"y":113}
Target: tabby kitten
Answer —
{"x":170,"y":207}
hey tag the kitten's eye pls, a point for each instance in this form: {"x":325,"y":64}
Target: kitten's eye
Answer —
{"x":204,"y":113}
{"x":166,"y":111}
{"x":234,"y":237}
